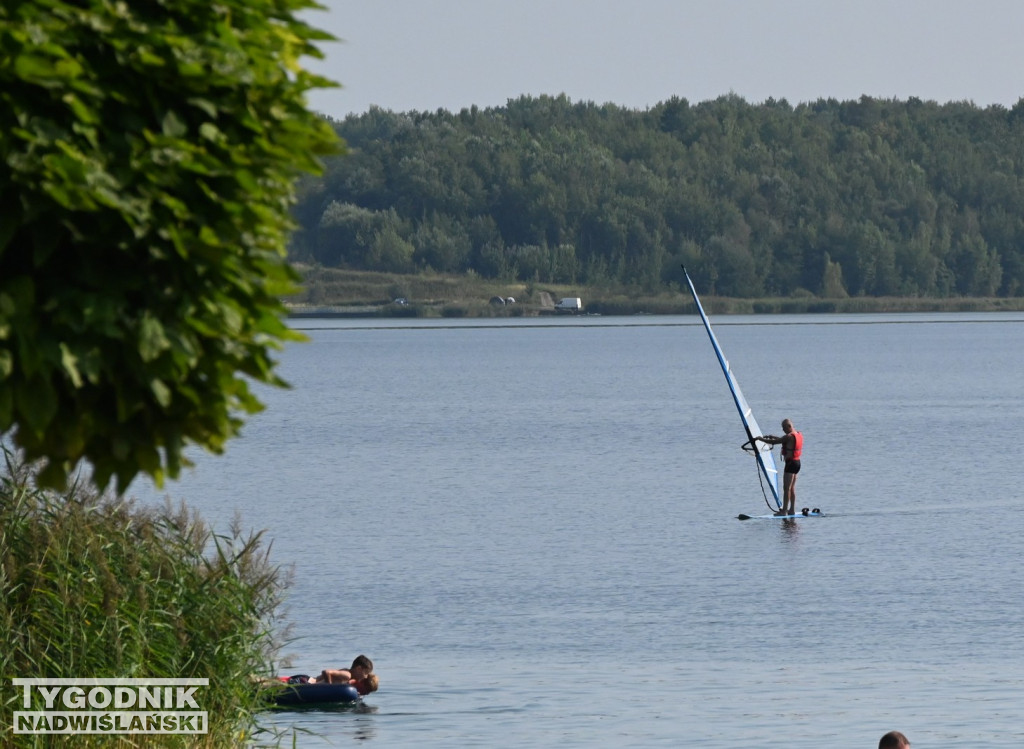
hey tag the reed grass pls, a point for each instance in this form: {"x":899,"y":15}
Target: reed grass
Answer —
{"x":93,"y":586}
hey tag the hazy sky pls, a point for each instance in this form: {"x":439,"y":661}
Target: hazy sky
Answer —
{"x":449,"y":54}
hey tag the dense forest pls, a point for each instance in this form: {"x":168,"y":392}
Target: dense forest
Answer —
{"x":873,"y":197}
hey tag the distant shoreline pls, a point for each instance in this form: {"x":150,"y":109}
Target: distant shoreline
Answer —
{"x":346,"y":293}
{"x":714,"y":307}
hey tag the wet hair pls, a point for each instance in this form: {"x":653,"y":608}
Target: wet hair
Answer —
{"x":368,"y":684}
{"x":894,"y":740}
{"x":361,"y":661}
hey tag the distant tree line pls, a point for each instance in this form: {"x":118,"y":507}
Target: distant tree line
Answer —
{"x":873,"y":197}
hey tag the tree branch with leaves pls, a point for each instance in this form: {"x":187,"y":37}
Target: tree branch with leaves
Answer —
{"x":150,"y":152}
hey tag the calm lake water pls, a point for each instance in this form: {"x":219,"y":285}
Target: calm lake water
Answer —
{"x":530,"y":527}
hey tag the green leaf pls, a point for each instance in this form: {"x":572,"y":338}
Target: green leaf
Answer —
{"x":205,"y":105}
{"x":211,"y":132}
{"x":39,"y":70}
{"x":36,"y":404}
{"x":161,"y":392}
{"x":152,"y":339}
{"x":70,"y":364}
{"x":172,"y":125}
{"x":90,"y":365}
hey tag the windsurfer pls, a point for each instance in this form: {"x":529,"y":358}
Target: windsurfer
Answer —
{"x":792,"y":446}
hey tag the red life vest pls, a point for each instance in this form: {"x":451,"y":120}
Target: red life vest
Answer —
{"x":797,"y":447}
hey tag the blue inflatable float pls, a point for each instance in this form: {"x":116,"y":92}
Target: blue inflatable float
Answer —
{"x":298,"y":691}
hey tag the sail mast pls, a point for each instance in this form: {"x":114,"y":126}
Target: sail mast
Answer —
{"x":763,"y":452}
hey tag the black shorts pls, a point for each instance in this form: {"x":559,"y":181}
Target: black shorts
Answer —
{"x":792,"y":466}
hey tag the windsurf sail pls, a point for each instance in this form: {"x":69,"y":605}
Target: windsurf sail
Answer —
{"x":763,"y":452}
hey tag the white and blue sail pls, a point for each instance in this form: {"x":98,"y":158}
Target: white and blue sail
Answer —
{"x":763,"y":452}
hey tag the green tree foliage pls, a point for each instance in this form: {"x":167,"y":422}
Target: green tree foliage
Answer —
{"x":866,"y":197}
{"x":150,"y":151}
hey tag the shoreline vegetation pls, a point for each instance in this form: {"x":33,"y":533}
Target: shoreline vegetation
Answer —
{"x":328,"y":292}
{"x":92,"y":585}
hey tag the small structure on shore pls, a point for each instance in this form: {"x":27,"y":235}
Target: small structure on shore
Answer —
{"x":570,"y":304}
